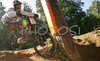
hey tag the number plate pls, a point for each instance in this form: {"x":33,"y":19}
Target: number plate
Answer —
{"x":32,"y":21}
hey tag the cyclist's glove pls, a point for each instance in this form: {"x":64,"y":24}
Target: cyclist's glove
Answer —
{"x":36,"y":15}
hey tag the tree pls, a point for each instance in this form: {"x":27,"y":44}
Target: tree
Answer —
{"x":39,"y":9}
{"x":1,"y":9}
{"x":93,"y":17}
{"x":89,"y":22}
{"x":66,"y":41}
{"x":1,"y":14}
{"x":73,"y":13}
{"x":94,"y":9}
{"x":27,"y":7}
{"x":3,"y":31}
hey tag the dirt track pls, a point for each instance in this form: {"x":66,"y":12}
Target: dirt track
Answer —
{"x":25,"y":55}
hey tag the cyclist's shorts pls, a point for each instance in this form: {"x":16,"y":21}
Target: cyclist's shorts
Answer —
{"x":9,"y":20}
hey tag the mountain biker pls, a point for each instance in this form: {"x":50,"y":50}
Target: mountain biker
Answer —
{"x":12,"y":15}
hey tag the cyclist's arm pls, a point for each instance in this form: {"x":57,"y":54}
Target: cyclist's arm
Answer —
{"x":29,"y":14}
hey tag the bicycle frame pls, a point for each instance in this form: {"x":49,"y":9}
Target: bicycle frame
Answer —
{"x":19,"y":27}
{"x":30,"y":26}
{"x":28,"y":33}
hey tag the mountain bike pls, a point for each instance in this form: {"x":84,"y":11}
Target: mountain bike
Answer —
{"x":44,"y":43}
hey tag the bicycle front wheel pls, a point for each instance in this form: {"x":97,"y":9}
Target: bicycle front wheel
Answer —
{"x":44,"y":45}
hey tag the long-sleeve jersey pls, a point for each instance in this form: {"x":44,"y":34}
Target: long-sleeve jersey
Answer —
{"x":11,"y":13}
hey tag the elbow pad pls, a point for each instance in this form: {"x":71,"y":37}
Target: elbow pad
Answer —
{"x":11,"y":14}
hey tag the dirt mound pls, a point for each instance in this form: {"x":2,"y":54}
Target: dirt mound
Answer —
{"x":89,"y":46}
{"x":25,"y":55}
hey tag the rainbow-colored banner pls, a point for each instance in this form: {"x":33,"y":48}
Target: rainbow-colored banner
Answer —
{"x":49,"y":16}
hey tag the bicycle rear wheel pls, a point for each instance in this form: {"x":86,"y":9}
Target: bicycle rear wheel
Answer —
{"x":13,"y":42}
{"x":44,"y":45}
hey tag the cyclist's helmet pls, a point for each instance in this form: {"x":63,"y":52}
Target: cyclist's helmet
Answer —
{"x":16,"y":2}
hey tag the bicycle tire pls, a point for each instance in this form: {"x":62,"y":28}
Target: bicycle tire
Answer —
{"x":13,"y":42}
{"x":38,"y":45}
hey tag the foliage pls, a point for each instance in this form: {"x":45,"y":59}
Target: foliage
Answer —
{"x":3,"y":31}
{"x":93,"y":14}
{"x":39,"y":9}
{"x":4,"y":39}
{"x":72,"y":12}
{"x":89,"y":22}
{"x":95,"y":8}
{"x":27,"y":7}
{"x":74,"y":15}
{"x":1,"y":9}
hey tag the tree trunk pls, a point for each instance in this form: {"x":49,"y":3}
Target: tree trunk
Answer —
{"x":66,"y":40}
